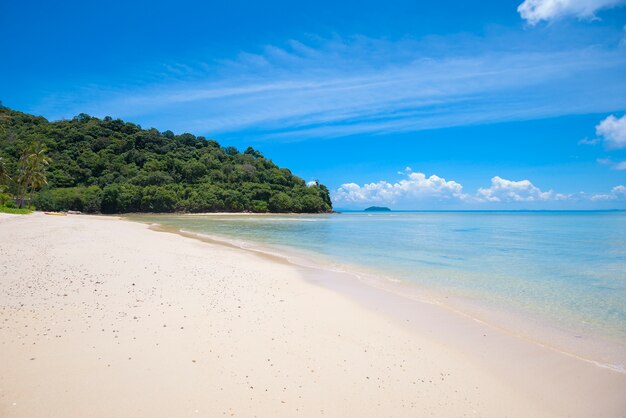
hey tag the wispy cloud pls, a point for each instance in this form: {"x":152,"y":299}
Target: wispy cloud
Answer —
{"x":614,"y":165}
{"x":587,"y":141}
{"x":535,"y":11}
{"x":346,"y":86}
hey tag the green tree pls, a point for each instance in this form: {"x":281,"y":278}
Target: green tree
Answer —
{"x":4,"y":196}
{"x":281,"y":202}
{"x":32,"y":171}
{"x":4,"y":173}
{"x":158,"y":199}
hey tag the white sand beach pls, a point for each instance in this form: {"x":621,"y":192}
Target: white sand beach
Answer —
{"x":103,"y":317}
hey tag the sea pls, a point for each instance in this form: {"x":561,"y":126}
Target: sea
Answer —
{"x":565,"y":270}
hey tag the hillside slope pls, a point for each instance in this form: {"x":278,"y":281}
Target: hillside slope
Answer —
{"x":111,"y":166}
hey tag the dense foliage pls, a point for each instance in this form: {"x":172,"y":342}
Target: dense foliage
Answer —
{"x":111,"y":166}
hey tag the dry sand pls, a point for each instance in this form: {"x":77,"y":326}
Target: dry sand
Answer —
{"x":101,"y":317}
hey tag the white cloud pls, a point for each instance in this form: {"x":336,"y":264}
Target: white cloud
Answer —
{"x":312,"y":183}
{"x":535,"y":11}
{"x":617,"y":193}
{"x":503,"y":190}
{"x":587,"y":141}
{"x":416,"y":186}
{"x":416,"y":189}
{"x":597,"y":197}
{"x":613,"y":131}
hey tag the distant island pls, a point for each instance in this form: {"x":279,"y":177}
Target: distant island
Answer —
{"x":109,"y":165}
{"x":377,"y":209}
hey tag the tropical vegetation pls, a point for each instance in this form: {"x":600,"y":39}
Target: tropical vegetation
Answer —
{"x":111,"y":166}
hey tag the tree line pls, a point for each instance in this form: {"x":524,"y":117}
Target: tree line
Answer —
{"x":111,"y":166}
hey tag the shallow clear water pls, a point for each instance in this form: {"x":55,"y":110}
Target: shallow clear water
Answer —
{"x":563,"y":267}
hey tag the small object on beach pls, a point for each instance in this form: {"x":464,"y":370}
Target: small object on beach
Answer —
{"x":55,"y":213}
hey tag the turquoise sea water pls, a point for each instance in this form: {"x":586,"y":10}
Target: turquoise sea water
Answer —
{"x":568,"y":268}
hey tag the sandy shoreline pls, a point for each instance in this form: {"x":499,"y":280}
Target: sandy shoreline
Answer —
{"x":105,"y":317}
{"x":596,"y":348}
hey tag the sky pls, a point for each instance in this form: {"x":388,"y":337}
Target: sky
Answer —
{"x":407,"y":104}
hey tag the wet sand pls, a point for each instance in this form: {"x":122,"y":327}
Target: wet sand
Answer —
{"x":103,"y":317}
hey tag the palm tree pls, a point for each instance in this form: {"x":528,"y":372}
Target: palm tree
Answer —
{"x":4,"y":180}
{"x":37,"y":182}
{"x":4,"y":175}
{"x":32,"y":171}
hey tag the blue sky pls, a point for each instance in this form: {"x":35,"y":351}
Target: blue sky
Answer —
{"x":427,"y":105}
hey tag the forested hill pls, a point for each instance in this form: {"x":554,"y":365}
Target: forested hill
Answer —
{"x":111,"y":166}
